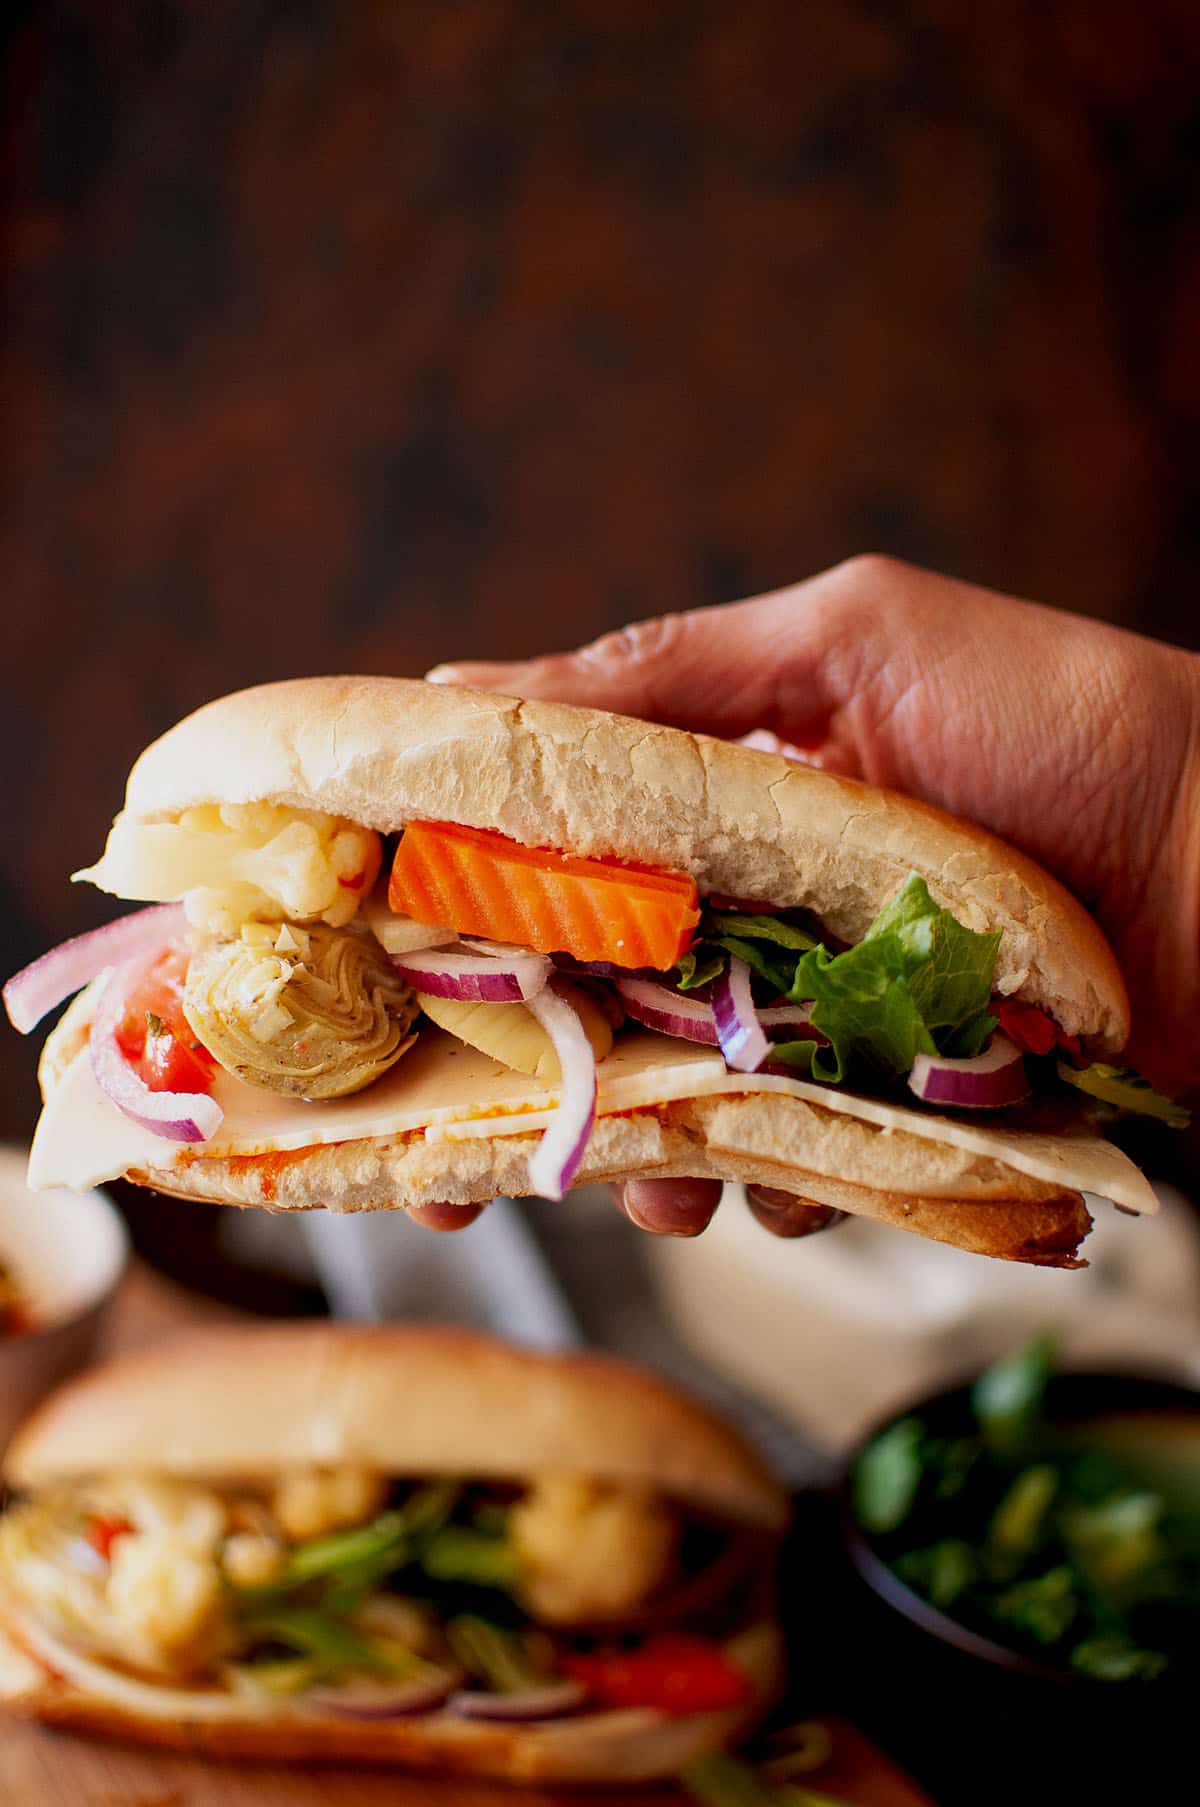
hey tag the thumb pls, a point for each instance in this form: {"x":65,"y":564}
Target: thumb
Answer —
{"x":773,"y":662}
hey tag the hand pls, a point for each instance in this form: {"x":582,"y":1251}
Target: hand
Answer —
{"x":685,"y":1207}
{"x":1074,"y":740}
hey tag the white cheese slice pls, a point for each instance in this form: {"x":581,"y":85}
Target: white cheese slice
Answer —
{"x":449,"y":1091}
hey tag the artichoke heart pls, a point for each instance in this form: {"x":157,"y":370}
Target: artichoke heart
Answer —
{"x":314,"y":1012}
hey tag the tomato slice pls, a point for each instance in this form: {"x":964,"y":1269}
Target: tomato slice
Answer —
{"x":154,"y":1035}
{"x":1031,"y":1029}
{"x":675,"y":1672}
{"x":102,"y":1533}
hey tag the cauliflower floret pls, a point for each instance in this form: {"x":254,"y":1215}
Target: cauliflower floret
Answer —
{"x":165,"y":1597}
{"x":310,"y":1501}
{"x":252,"y":1560}
{"x":192,"y":1516}
{"x":149,"y":1592}
{"x":590,"y":1549}
{"x":241,"y":862}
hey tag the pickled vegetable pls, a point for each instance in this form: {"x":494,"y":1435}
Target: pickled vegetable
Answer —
{"x":314,"y":1013}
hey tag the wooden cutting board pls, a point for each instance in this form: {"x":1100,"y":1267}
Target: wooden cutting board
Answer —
{"x":41,"y":1768}
{"x":55,"y":1769}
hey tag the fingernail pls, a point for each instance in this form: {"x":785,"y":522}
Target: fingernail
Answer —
{"x":444,"y":674}
{"x":655,"y":1227}
{"x":634,"y":1216}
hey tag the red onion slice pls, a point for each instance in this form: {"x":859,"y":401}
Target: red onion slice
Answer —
{"x":366,"y":1699}
{"x":562,"y":1147}
{"x":742,"y":1037}
{"x":178,"y":1116}
{"x":474,"y":978}
{"x":786,"y":1017}
{"x":549,"y":1702}
{"x":691,"y":1018}
{"x":592,"y":969}
{"x":73,"y":964}
{"x":671,"y":1012}
{"x":399,"y":935}
{"x":989,"y":1080}
{"x":497,"y":950}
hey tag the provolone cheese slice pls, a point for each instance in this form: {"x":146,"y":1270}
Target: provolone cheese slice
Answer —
{"x":448,"y":1091}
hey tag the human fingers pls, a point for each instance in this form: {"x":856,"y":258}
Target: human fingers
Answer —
{"x":767,"y":663}
{"x":669,"y":1207}
{"x":787,"y":1216}
{"x":1068,"y":737}
{"x":445,"y":1216}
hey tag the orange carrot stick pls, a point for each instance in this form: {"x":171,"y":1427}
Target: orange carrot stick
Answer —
{"x":481,"y":883}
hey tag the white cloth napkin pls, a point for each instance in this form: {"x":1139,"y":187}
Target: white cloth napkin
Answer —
{"x":836,"y":1331}
{"x":378,"y":1265}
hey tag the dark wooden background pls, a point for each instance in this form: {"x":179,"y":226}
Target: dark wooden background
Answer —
{"x":361,"y":336}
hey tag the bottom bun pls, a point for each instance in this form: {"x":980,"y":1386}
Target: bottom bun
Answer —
{"x":40,"y":1678}
{"x":936,"y":1189}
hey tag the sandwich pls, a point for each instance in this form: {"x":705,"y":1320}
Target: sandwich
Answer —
{"x":398,"y":1544}
{"x":407,"y":943}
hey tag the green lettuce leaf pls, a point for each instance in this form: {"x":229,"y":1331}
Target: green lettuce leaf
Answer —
{"x":760,"y":928}
{"x":797,"y":1055}
{"x":769,"y":946}
{"x":918,"y":983}
{"x":698,"y":966}
{"x":1127,"y":1090}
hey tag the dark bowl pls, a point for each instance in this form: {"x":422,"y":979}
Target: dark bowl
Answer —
{"x":1070,"y":1399}
{"x":955,"y":1703}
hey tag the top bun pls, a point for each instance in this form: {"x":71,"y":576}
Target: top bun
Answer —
{"x":248,"y":1401}
{"x":746,"y":824}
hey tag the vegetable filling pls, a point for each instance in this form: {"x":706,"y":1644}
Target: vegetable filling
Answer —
{"x":338,"y":1590}
{"x":296,"y":979}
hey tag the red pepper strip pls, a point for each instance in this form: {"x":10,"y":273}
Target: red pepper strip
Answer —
{"x":102,"y":1533}
{"x":1031,"y":1029}
{"x":675,"y":1672}
{"x":1025,"y":1024}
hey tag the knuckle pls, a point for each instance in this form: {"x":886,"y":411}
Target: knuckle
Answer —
{"x":877,"y":572}
{"x":641,"y":642}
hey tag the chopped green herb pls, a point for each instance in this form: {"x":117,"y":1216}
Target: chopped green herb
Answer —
{"x":942,"y":1572}
{"x":1020,"y":1517}
{"x":887,"y":1476}
{"x":1115,"y":1659}
{"x":1044,"y":1607}
{"x":1078,"y":1543}
{"x":1117,"y":1541}
{"x":1007,"y":1397}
